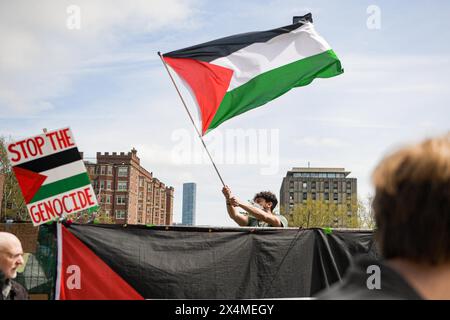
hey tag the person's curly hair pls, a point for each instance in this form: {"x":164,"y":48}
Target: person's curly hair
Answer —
{"x":268,"y":196}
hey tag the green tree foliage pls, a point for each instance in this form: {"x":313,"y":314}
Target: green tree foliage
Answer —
{"x":85,"y":216}
{"x":13,"y":206}
{"x":322,"y":214}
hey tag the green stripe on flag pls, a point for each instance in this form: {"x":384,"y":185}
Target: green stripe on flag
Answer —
{"x":61,"y":186}
{"x":272,"y":84}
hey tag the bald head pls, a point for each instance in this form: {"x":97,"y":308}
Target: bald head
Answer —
{"x":11,"y":254}
{"x":7,"y":239}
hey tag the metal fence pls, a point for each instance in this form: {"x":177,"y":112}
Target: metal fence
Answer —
{"x":39,"y":274}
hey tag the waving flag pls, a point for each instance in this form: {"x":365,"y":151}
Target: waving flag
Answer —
{"x":232,"y":75}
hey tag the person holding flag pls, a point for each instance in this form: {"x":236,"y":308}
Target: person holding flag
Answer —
{"x":260,"y":214}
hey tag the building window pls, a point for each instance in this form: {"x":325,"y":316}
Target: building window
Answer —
{"x":305,"y":196}
{"x":304,"y":185}
{"x":326,"y":196}
{"x":335,"y":185}
{"x":102,"y":184}
{"x":109,"y":170}
{"x":326,"y":185}
{"x":313,"y":185}
{"x":102,"y":170}
{"x":122,"y":186}
{"x":120,"y":214}
{"x":107,"y":213}
{"x":108,"y":185}
{"x":108,"y":199}
{"x":121,"y":199}
{"x":335,"y":196}
{"x":122,"y":172}
{"x":141,"y":182}
{"x":313,"y":196}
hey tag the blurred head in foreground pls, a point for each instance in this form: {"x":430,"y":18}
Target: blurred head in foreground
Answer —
{"x":412,"y":213}
{"x":412,"y":203}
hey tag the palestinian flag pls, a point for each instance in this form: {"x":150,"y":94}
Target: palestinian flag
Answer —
{"x":232,"y":75}
{"x":82,"y":275}
{"x":109,"y":261}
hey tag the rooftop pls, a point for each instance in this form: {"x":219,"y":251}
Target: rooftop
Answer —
{"x":309,"y":172}
{"x":309,"y":169}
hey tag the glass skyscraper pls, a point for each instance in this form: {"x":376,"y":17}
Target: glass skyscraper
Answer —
{"x":189,"y":195}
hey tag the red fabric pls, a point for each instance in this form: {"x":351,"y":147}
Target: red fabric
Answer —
{"x":208,"y":82}
{"x":29,"y":182}
{"x":96,"y":279}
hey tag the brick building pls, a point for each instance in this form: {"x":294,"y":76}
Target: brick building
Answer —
{"x":127,"y":192}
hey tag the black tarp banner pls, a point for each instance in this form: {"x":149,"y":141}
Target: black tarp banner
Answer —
{"x":221,"y":263}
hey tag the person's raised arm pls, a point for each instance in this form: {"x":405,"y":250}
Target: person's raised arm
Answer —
{"x":258,"y":213}
{"x":233,"y":212}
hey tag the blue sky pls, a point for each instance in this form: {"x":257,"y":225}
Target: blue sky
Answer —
{"x":107,"y":83}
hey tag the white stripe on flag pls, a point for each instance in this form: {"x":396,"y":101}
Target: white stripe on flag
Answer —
{"x":259,"y":58}
{"x":65,"y":171}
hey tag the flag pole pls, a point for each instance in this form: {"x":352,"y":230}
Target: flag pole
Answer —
{"x":192,"y":119}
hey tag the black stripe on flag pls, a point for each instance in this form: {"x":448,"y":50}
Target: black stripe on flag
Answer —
{"x":52,"y":161}
{"x":223,"y":47}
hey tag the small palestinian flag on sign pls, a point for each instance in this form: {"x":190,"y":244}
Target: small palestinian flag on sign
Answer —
{"x":51,"y":175}
{"x":232,"y":75}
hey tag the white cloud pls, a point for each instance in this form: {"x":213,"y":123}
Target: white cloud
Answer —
{"x":41,"y":58}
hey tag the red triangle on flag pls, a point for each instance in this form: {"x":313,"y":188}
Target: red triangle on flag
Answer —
{"x":208,"y":81}
{"x":29,"y":182}
{"x":84,"y":276}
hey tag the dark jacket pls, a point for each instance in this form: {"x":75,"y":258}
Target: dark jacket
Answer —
{"x":354,"y":284}
{"x":17,"y":291}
